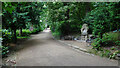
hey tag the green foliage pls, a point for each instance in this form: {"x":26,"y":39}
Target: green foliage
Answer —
{"x":103,"y":18}
{"x":66,"y":18}
{"x":117,"y":42}
{"x":109,"y":39}
{"x":113,"y":48}
{"x":8,"y":6}
{"x":25,"y":32}
{"x":112,"y":56}
{"x":23,"y":37}
{"x":104,"y":53}
{"x":56,"y":34}
{"x":107,"y":53}
{"x":21,"y":15}
{"x":4,"y":50}
{"x":96,"y":43}
{"x":35,"y":31}
{"x":6,"y":36}
{"x":98,"y":19}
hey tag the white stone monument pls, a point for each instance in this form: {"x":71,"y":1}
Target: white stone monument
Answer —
{"x":31,"y":28}
{"x":84,"y":33}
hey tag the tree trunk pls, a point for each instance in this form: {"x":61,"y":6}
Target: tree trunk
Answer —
{"x":67,"y":22}
{"x":20,"y":32}
{"x":101,"y":35}
{"x":117,"y":26}
{"x":67,"y":14}
{"x":15,"y":37}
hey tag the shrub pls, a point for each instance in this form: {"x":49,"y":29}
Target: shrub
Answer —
{"x":96,"y":43}
{"x":7,"y":36}
{"x":117,"y":42}
{"x":109,"y":39}
{"x":112,"y":56}
{"x":103,"y":18}
{"x":56,"y":34}
{"x":25,"y":32}
{"x":35,"y":31}
{"x":4,"y":50}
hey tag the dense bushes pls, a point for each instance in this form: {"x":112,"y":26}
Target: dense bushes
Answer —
{"x":7,"y":39}
{"x":66,"y":18}
{"x":17,"y":18}
{"x":103,"y":18}
{"x":5,"y":50}
{"x":109,"y":39}
{"x":25,"y":32}
{"x":6,"y":36}
{"x":69,"y":28}
{"x":103,"y":23}
{"x":21,"y":16}
{"x":36,"y":30}
{"x":98,"y":20}
{"x":107,"y":46}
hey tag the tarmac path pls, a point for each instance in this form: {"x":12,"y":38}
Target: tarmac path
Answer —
{"x":43,"y":50}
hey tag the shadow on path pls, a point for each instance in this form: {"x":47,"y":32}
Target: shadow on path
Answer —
{"x":42,"y":50}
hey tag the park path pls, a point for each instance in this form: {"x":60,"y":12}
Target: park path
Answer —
{"x":43,"y":50}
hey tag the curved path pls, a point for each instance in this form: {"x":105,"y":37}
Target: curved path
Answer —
{"x":42,"y":50}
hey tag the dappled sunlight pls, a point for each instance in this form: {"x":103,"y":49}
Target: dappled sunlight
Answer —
{"x":47,"y":30}
{"x":60,"y":33}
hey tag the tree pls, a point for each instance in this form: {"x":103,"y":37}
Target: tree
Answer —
{"x":103,"y":18}
{"x":22,"y":16}
{"x":9,"y":17}
{"x":16,"y":15}
{"x":66,"y":17}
